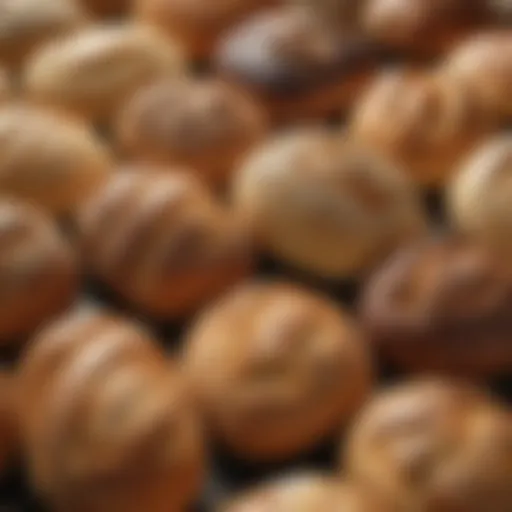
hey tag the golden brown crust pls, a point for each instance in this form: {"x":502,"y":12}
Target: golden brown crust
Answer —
{"x":39,"y":271}
{"x":48,"y":159}
{"x":424,"y":122}
{"x":422,"y":27}
{"x":325,"y":204}
{"x":197,"y":23}
{"x":207,"y":125}
{"x":306,"y":492}
{"x":295,"y":66}
{"x":26,"y":24}
{"x":479,"y":196}
{"x":483,"y":64}
{"x":160,"y":239}
{"x":434,"y":446}
{"x":107,"y":421}
{"x":94,"y":71}
{"x":276,"y":369}
{"x":442,"y":304}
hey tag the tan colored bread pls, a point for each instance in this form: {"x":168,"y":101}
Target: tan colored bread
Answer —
{"x":93,"y":72}
{"x":48,"y":159}
{"x":196,"y":23}
{"x":434,"y":446}
{"x":480,"y":196}
{"x":26,"y":24}
{"x":202,"y":123}
{"x":422,"y":27}
{"x":107,"y":421}
{"x":424,"y":122}
{"x":322,"y":203}
{"x":483,"y":64}
{"x":442,"y":305}
{"x":296,"y":66}
{"x":162,"y":241}
{"x":39,"y":274}
{"x":276,"y":369}
{"x":306,"y":492}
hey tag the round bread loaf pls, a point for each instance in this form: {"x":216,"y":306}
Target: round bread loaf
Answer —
{"x":276,"y":369}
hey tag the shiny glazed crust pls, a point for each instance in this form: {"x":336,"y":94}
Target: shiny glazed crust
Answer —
{"x":442,"y":304}
{"x":276,"y":369}
{"x":424,"y":122}
{"x":161,"y":240}
{"x":306,"y":492}
{"x":479,"y":196}
{"x":434,"y":446}
{"x":422,"y":27}
{"x":39,"y":275}
{"x":94,"y":71}
{"x":204,"y":124}
{"x":295,"y":66}
{"x":324,"y":204}
{"x":484,"y":65}
{"x":48,"y":159}
{"x":106,"y":420}
{"x":26,"y":24}
{"x":198,"y":24}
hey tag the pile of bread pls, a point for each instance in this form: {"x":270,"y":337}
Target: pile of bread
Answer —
{"x":230,"y":169}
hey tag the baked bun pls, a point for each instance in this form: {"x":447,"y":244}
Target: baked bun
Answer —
{"x":106,"y":420}
{"x":434,"y":446}
{"x":9,"y":432}
{"x":48,"y":159}
{"x":480,"y":196}
{"x":484,"y":65}
{"x":306,"y":492}
{"x":443,"y":305}
{"x":424,"y":122}
{"x":161,"y":240}
{"x":196,"y":23}
{"x":276,"y":369}
{"x":26,"y":24}
{"x":326,"y":205}
{"x":106,"y":8}
{"x":422,"y":27}
{"x":38,"y":276}
{"x":202,"y":123}
{"x":296,"y":67}
{"x":92,"y":72}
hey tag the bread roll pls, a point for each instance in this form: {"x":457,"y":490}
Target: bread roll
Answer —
{"x":480,"y":196}
{"x":203,"y":123}
{"x":442,"y":305}
{"x":196,"y":23}
{"x":324,"y":204}
{"x":434,"y":446}
{"x":162,"y":241}
{"x":38,"y":275}
{"x":296,"y":67}
{"x":107,"y":421}
{"x":484,"y":65}
{"x":306,"y":492}
{"x":276,"y":369}
{"x":424,"y":122}
{"x":93,"y":72}
{"x":26,"y":24}
{"x":48,"y":159}
{"x":422,"y":27}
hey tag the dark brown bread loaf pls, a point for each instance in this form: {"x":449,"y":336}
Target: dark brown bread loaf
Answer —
{"x":107,"y":422}
{"x":162,"y":241}
{"x":276,"y":369}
